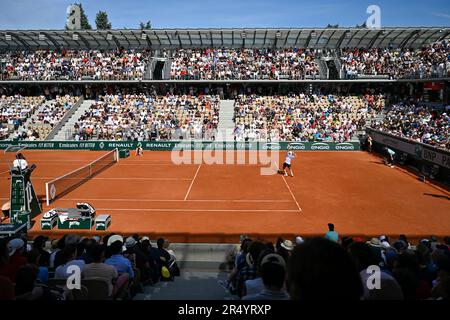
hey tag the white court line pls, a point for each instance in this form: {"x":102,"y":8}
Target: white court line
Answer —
{"x":156,"y":164}
{"x":197,"y":210}
{"x":192,"y":182}
{"x":158,"y":179}
{"x":189,"y":164}
{"x":178,"y":200}
{"x":122,"y":164}
{"x":287,"y":185}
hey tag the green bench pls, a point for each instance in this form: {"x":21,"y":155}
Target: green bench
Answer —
{"x":102,"y":222}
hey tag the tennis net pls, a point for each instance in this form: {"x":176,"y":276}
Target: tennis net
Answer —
{"x":64,"y":184}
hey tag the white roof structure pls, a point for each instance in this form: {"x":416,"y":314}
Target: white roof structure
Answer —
{"x":317,"y":38}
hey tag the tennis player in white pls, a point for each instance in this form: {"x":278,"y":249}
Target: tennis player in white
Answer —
{"x":287,"y":163}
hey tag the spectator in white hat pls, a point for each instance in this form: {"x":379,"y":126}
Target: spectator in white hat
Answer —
{"x":117,"y":260}
{"x":299,"y":240}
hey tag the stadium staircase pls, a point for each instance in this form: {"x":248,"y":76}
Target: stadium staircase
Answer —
{"x":64,"y":119}
{"x":158,"y":69}
{"x":66,"y":129}
{"x":226,"y":123}
{"x":202,"y":266}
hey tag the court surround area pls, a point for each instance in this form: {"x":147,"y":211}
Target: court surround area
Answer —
{"x":216,"y":203}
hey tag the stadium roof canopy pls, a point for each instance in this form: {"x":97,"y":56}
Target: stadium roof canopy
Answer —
{"x":202,"y":38}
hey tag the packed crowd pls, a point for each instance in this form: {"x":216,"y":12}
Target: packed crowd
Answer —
{"x":15,"y":110}
{"x":148,"y":117}
{"x":303,"y":117}
{"x":75,"y":65}
{"x":333,"y":268}
{"x":428,"y":62}
{"x":416,"y":122}
{"x":244,"y":64}
{"x":322,"y":268}
{"x":111,"y":268}
{"x":46,"y":116}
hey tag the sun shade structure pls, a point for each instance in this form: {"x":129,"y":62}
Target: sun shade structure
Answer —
{"x":317,"y":38}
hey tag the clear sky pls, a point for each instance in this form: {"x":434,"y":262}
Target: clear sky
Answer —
{"x":51,"y":14}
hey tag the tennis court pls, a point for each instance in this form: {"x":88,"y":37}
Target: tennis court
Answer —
{"x":216,"y":203}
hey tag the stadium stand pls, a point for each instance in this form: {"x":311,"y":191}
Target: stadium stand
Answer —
{"x":128,"y":266}
{"x":47,"y":115}
{"x":244,"y":64}
{"x":15,"y":110}
{"x":415,"y":121}
{"x":118,"y":64}
{"x":304,"y":117}
{"x":124,"y":268}
{"x":429,"y":62}
{"x":142,"y":117}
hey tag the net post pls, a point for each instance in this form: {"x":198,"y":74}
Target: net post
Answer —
{"x":47,"y":195}
{"x":117,"y":154}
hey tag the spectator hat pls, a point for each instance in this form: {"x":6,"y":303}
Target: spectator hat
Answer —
{"x":130,"y":242}
{"x":374,"y":242}
{"x":274,"y":258}
{"x":288,"y":245}
{"x":114,"y":238}
{"x":299,"y":240}
{"x":144,"y":239}
{"x":14,"y":245}
{"x":383,"y":238}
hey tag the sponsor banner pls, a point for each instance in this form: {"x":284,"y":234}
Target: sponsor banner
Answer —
{"x":395,"y":142}
{"x":440,"y":158}
{"x":184,"y":145}
{"x":415,"y":149}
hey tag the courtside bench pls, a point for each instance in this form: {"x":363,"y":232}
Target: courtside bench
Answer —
{"x":49,"y":223}
{"x":102,"y":222}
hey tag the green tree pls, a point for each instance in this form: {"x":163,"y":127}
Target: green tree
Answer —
{"x":334,"y":26}
{"x":101,"y":21}
{"x":84,"y":19}
{"x":145,"y":26}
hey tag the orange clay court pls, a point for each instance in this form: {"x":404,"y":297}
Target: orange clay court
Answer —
{"x":216,"y":203}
